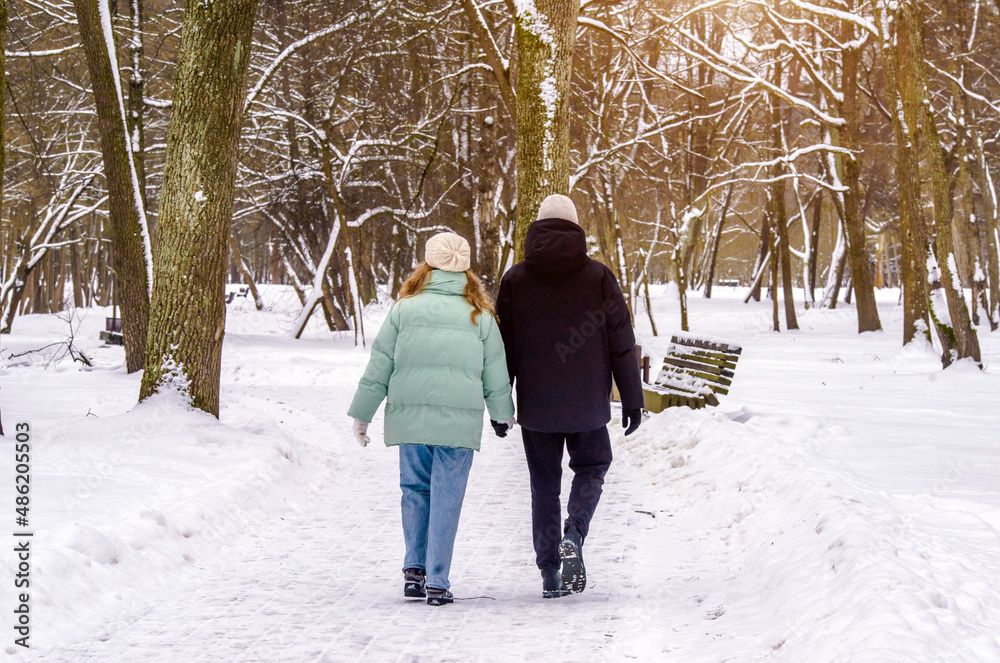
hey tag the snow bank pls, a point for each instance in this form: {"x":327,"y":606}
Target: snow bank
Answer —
{"x":126,"y":499}
{"x":818,"y":566}
{"x":124,"y":503}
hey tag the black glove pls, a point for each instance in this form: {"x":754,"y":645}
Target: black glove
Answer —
{"x":631,"y":419}
{"x":500,"y":427}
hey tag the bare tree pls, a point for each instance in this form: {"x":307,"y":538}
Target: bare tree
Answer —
{"x":924,"y":265}
{"x":188,"y":310}
{"x":130,"y":232}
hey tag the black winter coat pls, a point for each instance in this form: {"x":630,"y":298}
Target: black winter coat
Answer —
{"x":567,"y":331}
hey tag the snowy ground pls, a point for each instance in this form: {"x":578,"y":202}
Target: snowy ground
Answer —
{"x":842,"y":504}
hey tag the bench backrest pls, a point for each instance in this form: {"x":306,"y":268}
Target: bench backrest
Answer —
{"x":703,"y":367}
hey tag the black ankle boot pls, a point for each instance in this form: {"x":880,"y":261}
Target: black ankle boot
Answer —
{"x":552,"y":584}
{"x":413,"y":583}
{"x":574,"y":575}
{"x":437,"y":596}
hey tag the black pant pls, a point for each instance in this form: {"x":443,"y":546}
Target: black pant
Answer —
{"x":589,"y":458}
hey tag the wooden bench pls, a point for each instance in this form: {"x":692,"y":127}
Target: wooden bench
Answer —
{"x":112,"y":334}
{"x":241,"y":291}
{"x":694,"y":371}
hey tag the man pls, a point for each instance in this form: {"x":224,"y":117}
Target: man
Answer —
{"x":567,"y":331}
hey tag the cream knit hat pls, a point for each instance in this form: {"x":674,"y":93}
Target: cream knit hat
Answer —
{"x":557,"y":206}
{"x":448,"y":252}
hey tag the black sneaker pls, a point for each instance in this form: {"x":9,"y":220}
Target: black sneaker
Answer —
{"x":552,"y":584}
{"x":413,"y":583}
{"x":574,"y":575}
{"x":437,"y":596}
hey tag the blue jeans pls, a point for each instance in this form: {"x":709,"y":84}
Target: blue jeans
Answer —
{"x":433,"y":480}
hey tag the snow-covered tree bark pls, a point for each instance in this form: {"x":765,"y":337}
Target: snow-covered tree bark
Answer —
{"x":136,"y":91}
{"x":986,"y":191}
{"x":908,"y":83}
{"x":188,"y":310}
{"x":129,"y":231}
{"x":854,"y":225}
{"x":546,"y":34}
{"x":896,"y":54}
{"x":963,"y":335}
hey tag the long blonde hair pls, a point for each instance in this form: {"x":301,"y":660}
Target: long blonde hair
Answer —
{"x":474,"y":293}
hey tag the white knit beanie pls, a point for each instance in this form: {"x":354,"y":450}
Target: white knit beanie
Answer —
{"x":448,"y":252}
{"x":557,"y":206}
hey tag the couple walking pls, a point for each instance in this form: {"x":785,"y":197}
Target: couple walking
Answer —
{"x":560,"y":330}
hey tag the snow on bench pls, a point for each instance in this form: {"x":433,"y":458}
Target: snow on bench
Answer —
{"x":695,"y":369}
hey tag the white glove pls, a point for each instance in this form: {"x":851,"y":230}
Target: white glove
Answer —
{"x":360,"y":428}
{"x":510,"y":424}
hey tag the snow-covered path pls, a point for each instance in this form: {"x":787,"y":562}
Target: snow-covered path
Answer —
{"x":324,"y":584}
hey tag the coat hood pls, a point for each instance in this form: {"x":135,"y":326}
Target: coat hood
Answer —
{"x":555,"y":247}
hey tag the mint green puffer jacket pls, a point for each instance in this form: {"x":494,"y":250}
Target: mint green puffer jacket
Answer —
{"x":435,"y":368}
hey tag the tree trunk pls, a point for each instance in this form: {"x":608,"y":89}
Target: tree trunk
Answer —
{"x":966,"y":342}
{"x":604,"y":222}
{"x":679,"y":267}
{"x":188,"y":312}
{"x":775,"y":316}
{"x":4,"y":323}
{"x":983,"y":270}
{"x":984,"y":183}
{"x":74,"y":266}
{"x":913,"y":234}
{"x":649,"y":304}
{"x":854,"y":225}
{"x":762,"y":252}
{"x":779,"y":213}
{"x":136,"y":90}
{"x":3,"y":101}
{"x":955,"y":329}
{"x":716,"y":241}
{"x":974,"y":230}
{"x":546,"y":32}
{"x":19,"y":283}
{"x":129,"y":238}
{"x":817,"y":216}
{"x":28,"y":296}
{"x":104,"y":289}
{"x":334,"y":313}
{"x":486,"y":222}
{"x":787,"y":291}
{"x":689,"y":235}
{"x":978,"y":276}
{"x":838,"y":278}
{"x":57,"y":293}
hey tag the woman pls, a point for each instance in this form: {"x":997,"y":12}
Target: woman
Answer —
{"x":438,"y":356}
